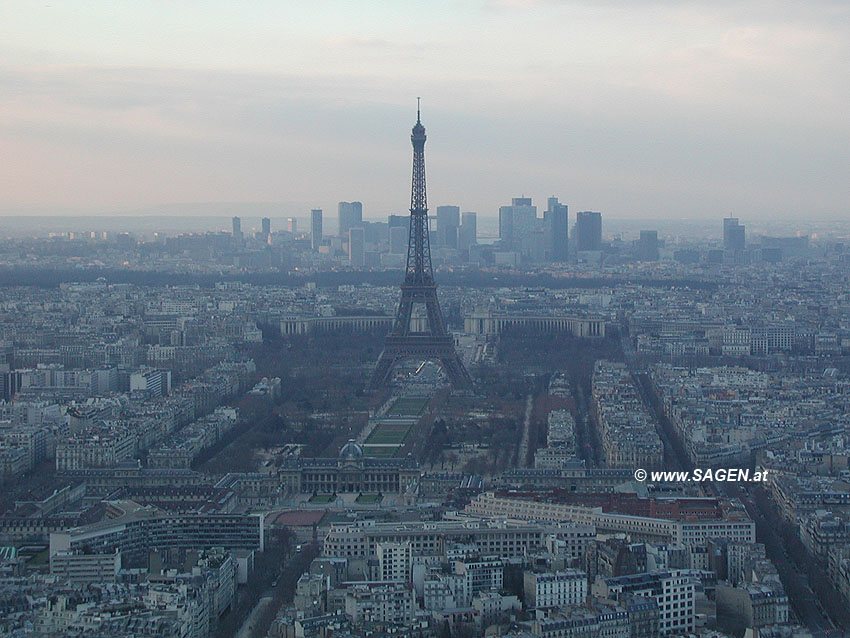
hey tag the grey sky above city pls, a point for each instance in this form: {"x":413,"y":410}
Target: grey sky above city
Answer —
{"x":655,"y":109}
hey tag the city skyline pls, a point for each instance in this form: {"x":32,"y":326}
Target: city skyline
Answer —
{"x":635,"y":431}
{"x":255,"y":384}
{"x":638,"y":111}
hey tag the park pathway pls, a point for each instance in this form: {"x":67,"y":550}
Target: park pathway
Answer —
{"x":522,"y":453}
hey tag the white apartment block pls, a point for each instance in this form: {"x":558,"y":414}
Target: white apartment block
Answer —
{"x":673,"y":591}
{"x":390,"y":602}
{"x":445,"y":591}
{"x":394,"y":560}
{"x":482,"y":574}
{"x":95,"y":449}
{"x":85,"y":568}
{"x":555,"y":589}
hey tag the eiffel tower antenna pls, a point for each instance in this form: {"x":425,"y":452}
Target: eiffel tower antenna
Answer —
{"x":407,"y":341}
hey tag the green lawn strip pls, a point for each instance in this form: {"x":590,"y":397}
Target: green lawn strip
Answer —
{"x":381,"y":452}
{"x":388,"y":433}
{"x":407,"y":406}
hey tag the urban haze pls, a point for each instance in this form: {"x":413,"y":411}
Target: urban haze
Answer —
{"x":521,"y":318}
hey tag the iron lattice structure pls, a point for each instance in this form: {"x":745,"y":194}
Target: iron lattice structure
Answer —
{"x":433,"y":343}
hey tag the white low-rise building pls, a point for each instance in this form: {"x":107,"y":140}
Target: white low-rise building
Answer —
{"x":555,"y":589}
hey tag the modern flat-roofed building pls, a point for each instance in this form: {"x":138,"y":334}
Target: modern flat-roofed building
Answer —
{"x":156,"y":383}
{"x":316,"y":234}
{"x":692,"y":528}
{"x":588,"y":231}
{"x":356,"y":247}
{"x":467,"y":234}
{"x":134,"y":530}
{"x":85,"y":568}
{"x":557,"y":224}
{"x":350,"y":216}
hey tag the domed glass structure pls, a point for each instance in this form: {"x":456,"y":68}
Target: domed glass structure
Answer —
{"x":351,"y":451}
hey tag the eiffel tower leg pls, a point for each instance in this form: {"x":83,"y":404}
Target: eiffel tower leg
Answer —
{"x":457,"y":374}
{"x":383,"y":369}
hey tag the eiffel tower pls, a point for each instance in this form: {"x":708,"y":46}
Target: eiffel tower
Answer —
{"x":433,"y":343}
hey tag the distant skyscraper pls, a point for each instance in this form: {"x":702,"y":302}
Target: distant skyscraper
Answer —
{"x":506,"y":226}
{"x":266,"y":233}
{"x":588,"y":231}
{"x":647,"y":248}
{"x":734,"y":235}
{"x":468,"y":232}
{"x":517,"y":225}
{"x":398,"y":229}
{"x":398,"y":220}
{"x":292,"y":225}
{"x":237,"y":229}
{"x":376,"y":232}
{"x":316,"y":228}
{"x":350,"y":216}
{"x":398,"y":240}
{"x":357,"y":247}
{"x":448,"y":222}
{"x":557,"y":230}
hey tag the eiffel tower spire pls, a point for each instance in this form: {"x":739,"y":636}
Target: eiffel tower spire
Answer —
{"x":407,"y":340}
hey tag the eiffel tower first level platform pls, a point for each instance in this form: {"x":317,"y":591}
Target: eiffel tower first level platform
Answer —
{"x":432,"y":343}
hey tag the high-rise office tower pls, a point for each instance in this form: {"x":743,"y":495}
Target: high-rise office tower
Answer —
{"x":398,"y":220}
{"x":350,"y":216}
{"x":315,"y":228}
{"x":468,"y":233}
{"x":647,"y":248}
{"x":588,"y":231}
{"x":506,"y":226}
{"x":536,"y":249}
{"x":517,"y":225}
{"x":398,"y":240}
{"x":448,"y":222}
{"x":556,"y":230}
{"x":376,"y":232}
{"x":292,"y":225}
{"x":356,"y":247}
{"x":237,"y":229}
{"x":266,"y":232}
{"x":734,"y":235}
{"x":398,"y":229}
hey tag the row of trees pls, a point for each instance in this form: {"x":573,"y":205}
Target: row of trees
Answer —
{"x":465,"y":278}
{"x":267,"y":568}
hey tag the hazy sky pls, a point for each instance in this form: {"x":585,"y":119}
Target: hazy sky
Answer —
{"x":636,"y":108}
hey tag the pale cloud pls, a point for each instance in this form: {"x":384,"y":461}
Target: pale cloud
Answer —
{"x":671,"y":107}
